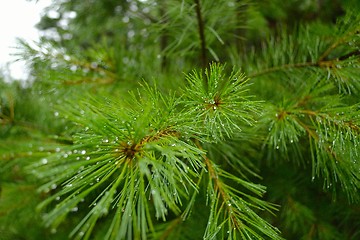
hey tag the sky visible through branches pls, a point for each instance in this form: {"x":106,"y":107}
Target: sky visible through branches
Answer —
{"x":17,"y":20}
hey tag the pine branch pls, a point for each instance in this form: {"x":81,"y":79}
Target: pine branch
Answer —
{"x":229,"y":213}
{"x":326,"y":56}
{"x":121,"y":155}
{"x":220,"y":103}
{"x":349,"y":28}
{"x":131,"y":159}
{"x":333,"y":138}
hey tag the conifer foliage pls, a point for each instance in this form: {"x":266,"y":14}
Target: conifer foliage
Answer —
{"x":193,"y":119}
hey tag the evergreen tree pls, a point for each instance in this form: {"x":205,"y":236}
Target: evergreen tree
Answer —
{"x":193,"y":119}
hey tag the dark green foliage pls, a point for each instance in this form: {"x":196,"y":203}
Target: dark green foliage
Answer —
{"x":185,"y":120}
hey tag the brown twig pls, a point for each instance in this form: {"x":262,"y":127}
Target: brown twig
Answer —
{"x":219,"y":188}
{"x":336,"y":44}
{"x":283,"y":67}
{"x":200,"y":20}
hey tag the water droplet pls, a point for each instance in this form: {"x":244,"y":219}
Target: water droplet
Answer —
{"x":57,"y":198}
{"x":53,"y":230}
{"x":83,"y":152}
{"x":277,"y":147}
{"x":74,"y":209}
{"x":56,"y":114}
{"x":44,"y":161}
{"x":87,"y":158}
{"x":53,"y":186}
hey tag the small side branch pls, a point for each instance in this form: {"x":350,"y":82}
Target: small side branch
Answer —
{"x":282,"y":67}
{"x":321,"y":64}
{"x":219,"y":189}
{"x":337,"y":43}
